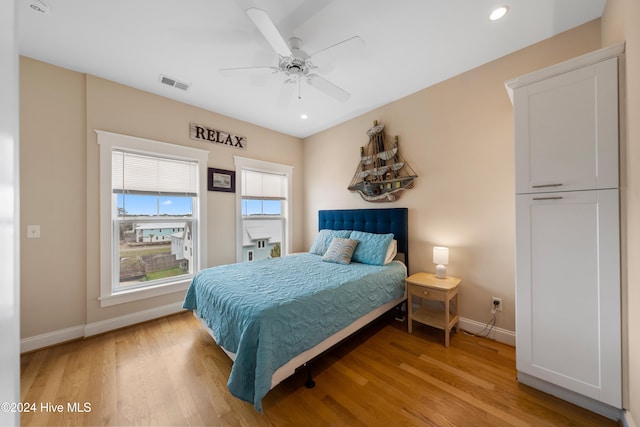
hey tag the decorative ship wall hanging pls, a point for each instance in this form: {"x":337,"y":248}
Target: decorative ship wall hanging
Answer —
{"x":382,"y":174}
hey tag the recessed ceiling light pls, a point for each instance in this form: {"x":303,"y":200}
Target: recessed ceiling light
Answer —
{"x":499,"y":13}
{"x":304,"y":116}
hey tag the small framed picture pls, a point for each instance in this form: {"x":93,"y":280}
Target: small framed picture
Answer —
{"x":221,"y":180}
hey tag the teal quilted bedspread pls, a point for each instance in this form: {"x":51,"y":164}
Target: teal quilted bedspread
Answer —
{"x":269,"y":311}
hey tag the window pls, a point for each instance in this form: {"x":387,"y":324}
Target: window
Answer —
{"x":152,"y":235}
{"x":264,"y":199}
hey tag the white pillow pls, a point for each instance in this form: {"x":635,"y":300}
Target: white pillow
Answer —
{"x":392,"y":251}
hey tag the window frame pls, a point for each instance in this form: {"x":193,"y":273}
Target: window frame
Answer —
{"x":108,"y":141}
{"x":243,"y":163}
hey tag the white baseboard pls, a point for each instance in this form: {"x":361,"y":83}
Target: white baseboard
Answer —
{"x":501,"y":335}
{"x":627,"y":419}
{"x":51,"y":338}
{"x":81,"y":331}
{"x":131,"y":319}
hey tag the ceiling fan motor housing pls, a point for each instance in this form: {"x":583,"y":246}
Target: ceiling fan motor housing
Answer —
{"x":297,"y":63}
{"x":293,"y":65}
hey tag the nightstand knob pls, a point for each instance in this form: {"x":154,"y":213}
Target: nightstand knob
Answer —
{"x":426,"y":292}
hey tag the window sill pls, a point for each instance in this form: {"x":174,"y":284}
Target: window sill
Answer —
{"x":144,"y":293}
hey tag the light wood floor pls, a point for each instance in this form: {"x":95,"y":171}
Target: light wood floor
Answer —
{"x":169,"y":372}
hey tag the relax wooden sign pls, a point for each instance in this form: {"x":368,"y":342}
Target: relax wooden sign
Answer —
{"x":203,"y":133}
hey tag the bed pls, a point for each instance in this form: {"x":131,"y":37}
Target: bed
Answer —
{"x":274,"y":316}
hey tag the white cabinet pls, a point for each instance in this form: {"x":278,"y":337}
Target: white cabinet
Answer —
{"x":566,"y":128}
{"x":568,"y":308}
{"x":568,"y":291}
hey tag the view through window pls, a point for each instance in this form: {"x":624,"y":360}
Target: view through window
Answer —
{"x":153,"y":219}
{"x":155,"y":237}
{"x":263,"y":202}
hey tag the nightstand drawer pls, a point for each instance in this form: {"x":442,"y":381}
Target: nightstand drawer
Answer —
{"x":427,"y":293}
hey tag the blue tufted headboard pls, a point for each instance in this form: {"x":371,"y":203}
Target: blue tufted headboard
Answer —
{"x":389,"y":220}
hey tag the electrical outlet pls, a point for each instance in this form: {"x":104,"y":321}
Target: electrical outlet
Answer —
{"x":496,"y":304}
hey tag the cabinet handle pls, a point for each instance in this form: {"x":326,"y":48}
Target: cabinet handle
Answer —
{"x":546,"y":185}
{"x":548,"y":198}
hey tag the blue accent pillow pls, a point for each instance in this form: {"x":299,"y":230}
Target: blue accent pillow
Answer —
{"x":324,"y":238}
{"x":372,"y":247}
{"x":340,"y":250}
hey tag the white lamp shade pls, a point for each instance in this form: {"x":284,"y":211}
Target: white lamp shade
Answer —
{"x":440,"y":255}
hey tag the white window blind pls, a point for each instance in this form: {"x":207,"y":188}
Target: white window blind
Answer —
{"x":261,"y":185}
{"x":135,"y":173}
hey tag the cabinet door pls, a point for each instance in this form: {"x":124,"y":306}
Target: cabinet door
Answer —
{"x":568,"y":291}
{"x":566,"y":131}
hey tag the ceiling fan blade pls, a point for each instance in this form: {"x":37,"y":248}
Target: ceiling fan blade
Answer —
{"x":286,"y":93}
{"x":340,"y":50}
{"x":328,"y":88}
{"x":269,"y":31}
{"x":248,"y":71}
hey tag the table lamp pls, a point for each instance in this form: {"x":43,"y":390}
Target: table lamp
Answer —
{"x":441,"y":259}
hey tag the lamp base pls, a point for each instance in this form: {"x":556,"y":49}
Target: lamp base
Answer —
{"x":441,"y":271}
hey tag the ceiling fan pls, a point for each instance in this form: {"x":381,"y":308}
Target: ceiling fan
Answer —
{"x":294,"y":63}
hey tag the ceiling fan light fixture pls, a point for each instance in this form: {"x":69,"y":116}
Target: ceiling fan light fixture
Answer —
{"x":499,"y":13}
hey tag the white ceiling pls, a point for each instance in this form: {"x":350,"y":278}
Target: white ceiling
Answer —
{"x":408,"y":45}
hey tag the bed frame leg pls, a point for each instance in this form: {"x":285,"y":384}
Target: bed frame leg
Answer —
{"x":399,"y":315}
{"x":310,"y":382}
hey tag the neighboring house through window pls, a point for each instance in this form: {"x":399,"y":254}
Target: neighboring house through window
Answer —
{"x":263,"y":198}
{"x":152,"y":218}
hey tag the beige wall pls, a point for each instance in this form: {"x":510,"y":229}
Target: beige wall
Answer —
{"x":60,"y":110}
{"x":52,"y":195}
{"x":458,"y":137}
{"x":620,"y":23}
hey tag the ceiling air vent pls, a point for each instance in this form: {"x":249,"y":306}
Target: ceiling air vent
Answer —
{"x":175,"y":83}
